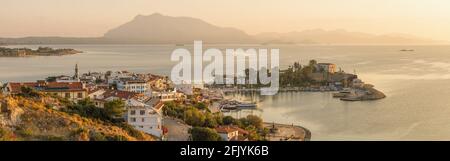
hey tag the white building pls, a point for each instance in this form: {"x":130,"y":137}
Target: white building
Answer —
{"x":145,"y":117}
{"x":138,"y":86}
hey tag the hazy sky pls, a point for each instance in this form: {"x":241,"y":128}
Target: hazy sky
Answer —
{"x":427,"y":18}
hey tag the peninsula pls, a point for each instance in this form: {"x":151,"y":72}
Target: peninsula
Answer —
{"x":41,"y":51}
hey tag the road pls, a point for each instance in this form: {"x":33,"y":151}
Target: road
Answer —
{"x":177,"y":130}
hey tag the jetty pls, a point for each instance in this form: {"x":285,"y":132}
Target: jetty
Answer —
{"x":364,"y":93}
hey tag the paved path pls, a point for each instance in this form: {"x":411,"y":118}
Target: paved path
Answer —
{"x":178,"y":131}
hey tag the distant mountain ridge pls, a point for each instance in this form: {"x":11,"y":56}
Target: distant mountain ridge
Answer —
{"x":321,"y":36}
{"x":164,"y":29}
{"x":161,"y":29}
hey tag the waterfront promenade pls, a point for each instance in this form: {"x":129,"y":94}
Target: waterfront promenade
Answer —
{"x":287,"y":132}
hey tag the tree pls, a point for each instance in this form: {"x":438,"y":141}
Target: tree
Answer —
{"x":29,"y":92}
{"x":313,"y":64}
{"x":204,"y":134}
{"x":115,"y":109}
{"x":228,"y":120}
{"x":194,"y":117}
{"x":252,"y":120}
{"x":200,"y":106}
{"x":86,"y":108}
{"x":210,"y":121}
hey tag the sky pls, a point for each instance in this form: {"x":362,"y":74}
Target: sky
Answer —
{"x":92,"y":18}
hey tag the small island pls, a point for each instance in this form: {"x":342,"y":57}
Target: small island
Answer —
{"x":41,"y":51}
{"x":315,"y":77}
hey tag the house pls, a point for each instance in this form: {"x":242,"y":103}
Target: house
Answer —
{"x":167,"y":96}
{"x":138,"y":86}
{"x":232,"y":133}
{"x":74,"y":91}
{"x":101,"y":96}
{"x":145,"y":117}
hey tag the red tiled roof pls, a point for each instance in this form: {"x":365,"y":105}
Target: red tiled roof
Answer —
{"x":47,"y":86}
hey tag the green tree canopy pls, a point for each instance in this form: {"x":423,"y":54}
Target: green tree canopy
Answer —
{"x":204,"y":134}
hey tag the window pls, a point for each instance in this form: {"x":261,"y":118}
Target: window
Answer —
{"x":142,"y":112}
{"x":132,"y":112}
{"x":143,"y":119}
{"x":133,"y":119}
{"x":80,"y":95}
{"x":67,"y":95}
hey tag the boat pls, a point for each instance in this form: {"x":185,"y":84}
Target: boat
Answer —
{"x":407,"y":50}
{"x":247,"y":105}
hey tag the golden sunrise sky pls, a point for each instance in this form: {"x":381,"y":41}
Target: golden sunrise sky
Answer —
{"x":87,"y":18}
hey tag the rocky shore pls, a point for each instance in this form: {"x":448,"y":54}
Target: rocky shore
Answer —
{"x":364,"y":93}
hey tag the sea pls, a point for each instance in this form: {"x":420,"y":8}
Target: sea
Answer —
{"x":416,"y":83}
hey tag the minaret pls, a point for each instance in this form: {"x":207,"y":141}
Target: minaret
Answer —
{"x":76,"y":72}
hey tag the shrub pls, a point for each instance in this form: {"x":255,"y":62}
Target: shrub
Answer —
{"x":95,"y":136}
{"x":228,"y":120}
{"x":204,"y":134}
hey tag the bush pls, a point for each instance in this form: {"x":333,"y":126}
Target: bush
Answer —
{"x":86,"y":108}
{"x":194,"y":117}
{"x":251,"y":120}
{"x":29,"y":92}
{"x":210,"y":121}
{"x":6,"y":135}
{"x":116,"y":138}
{"x":95,"y":136}
{"x":131,"y":131}
{"x":228,"y":120}
{"x":115,"y":108}
{"x":204,"y":134}
{"x":200,"y":106}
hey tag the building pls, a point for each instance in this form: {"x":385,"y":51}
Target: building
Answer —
{"x":138,"y":86}
{"x":327,"y":67}
{"x":74,"y":91}
{"x":114,"y":77}
{"x":232,"y":133}
{"x":145,"y":117}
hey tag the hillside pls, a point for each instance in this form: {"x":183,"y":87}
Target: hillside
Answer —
{"x":33,"y":119}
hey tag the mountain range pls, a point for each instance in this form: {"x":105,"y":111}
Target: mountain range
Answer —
{"x":161,"y":29}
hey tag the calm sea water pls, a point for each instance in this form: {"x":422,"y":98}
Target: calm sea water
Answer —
{"x":417,"y":85}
